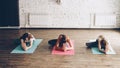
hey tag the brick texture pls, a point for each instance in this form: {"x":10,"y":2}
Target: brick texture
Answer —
{"x":73,"y":10}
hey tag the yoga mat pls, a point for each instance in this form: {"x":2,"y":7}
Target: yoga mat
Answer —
{"x":19,"y":49}
{"x":95,"y":50}
{"x":59,"y":52}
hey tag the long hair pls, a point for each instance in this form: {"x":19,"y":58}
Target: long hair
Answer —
{"x":103,"y":40}
{"x":62,"y":40}
{"x":24,"y":36}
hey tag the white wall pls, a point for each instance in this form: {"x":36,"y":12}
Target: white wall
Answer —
{"x":68,"y":14}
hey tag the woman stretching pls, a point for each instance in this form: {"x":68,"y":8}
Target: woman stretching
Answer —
{"x":101,"y":43}
{"x":62,"y":43}
{"x":27,"y":41}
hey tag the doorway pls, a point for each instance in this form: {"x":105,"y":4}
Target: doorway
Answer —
{"x":9,"y":13}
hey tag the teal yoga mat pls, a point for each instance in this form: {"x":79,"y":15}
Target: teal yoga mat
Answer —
{"x":96,"y":51}
{"x":19,"y":49}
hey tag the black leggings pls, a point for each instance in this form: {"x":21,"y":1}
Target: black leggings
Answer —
{"x":94,"y":44}
{"x":52,"y":42}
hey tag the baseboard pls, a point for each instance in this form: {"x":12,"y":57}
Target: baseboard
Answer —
{"x":78,"y":28}
{"x":10,"y":27}
{"x":17,"y":27}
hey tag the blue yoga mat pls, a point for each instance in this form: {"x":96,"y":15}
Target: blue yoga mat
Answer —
{"x":19,"y":49}
{"x":95,"y":50}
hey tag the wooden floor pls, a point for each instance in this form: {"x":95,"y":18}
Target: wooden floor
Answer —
{"x":42,"y":57}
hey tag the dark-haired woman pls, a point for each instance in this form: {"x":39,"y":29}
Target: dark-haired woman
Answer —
{"x":101,"y":43}
{"x":27,"y":40}
{"x":63,"y":43}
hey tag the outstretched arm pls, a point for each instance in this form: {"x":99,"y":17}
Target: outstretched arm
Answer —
{"x":99,"y":47}
{"x":57,"y":43}
{"x":70,"y":46}
{"x":70,"y":43}
{"x":106,"y":49}
{"x":23,"y":44}
{"x":31,"y":43}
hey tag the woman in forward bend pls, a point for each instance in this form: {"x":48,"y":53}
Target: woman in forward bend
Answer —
{"x":27,"y":40}
{"x":63,"y":43}
{"x":101,"y":43}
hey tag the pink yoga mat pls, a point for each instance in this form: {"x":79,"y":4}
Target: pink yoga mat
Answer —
{"x":59,"y":52}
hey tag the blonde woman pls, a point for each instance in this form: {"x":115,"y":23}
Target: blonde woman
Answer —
{"x":101,"y":43}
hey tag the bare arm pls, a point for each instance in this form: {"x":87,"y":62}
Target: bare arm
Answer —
{"x":70,"y":43}
{"x":31,"y":43}
{"x":23,"y":44}
{"x":57,"y":43}
{"x":106,"y":49}
{"x":99,"y":45}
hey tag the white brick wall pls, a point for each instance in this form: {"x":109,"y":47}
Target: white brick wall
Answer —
{"x":78,"y":13}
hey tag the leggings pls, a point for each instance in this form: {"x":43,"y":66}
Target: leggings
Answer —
{"x":52,"y":42}
{"x":94,"y":44}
